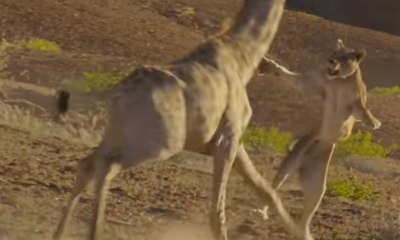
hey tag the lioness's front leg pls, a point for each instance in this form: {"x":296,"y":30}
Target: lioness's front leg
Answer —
{"x":361,"y":112}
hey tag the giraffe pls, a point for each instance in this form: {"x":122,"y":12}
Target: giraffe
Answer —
{"x":344,"y":95}
{"x":197,"y":103}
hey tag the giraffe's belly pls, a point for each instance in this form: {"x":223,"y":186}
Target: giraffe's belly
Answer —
{"x":201,"y":130}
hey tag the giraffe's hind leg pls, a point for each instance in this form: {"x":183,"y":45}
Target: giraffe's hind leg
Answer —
{"x":85,"y":174}
{"x":247,"y":170}
{"x":105,"y":172}
{"x":224,"y":156}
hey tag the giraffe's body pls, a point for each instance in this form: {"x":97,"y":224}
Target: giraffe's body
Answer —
{"x":198,"y":103}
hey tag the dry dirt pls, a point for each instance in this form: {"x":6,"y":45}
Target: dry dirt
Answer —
{"x":170,"y":200}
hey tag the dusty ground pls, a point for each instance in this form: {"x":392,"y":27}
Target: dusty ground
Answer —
{"x":36,"y":170}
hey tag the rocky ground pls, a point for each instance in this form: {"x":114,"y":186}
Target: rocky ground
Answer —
{"x":170,"y":200}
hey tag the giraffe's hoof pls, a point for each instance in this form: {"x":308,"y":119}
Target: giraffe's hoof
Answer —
{"x":263,"y":212}
{"x":309,"y":237}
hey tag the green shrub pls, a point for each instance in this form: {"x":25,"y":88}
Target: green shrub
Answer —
{"x":352,"y":188}
{"x":94,"y":81}
{"x":186,"y":11}
{"x":40,"y":44}
{"x":388,"y":91}
{"x":101,"y":79}
{"x":361,"y":144}
{"x":309,"y":15}
{"x":273,"y":137}
{"x":374,"y":237}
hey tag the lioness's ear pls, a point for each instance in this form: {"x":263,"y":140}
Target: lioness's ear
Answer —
{"x":360,"y":54}
{"x":339,"y":44}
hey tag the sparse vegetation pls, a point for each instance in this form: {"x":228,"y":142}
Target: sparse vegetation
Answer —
{"x":33,"y":43}
{"x":361,"y":144}
{"x":185,"y":11}
{"x":40,"y":44}
{"x":273,"y":137}
{"x":358,"y":144}
{"x":388,"y":91}
{"x":309,"y":15}
{"x":93,"y":81}
{"x":374,"y":237}
{"x":352,"y":188}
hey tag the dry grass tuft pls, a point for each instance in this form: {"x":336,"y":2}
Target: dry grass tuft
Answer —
{"x":4,"y":45}
{"x":78,"y":131}
{"x":33,"y":109}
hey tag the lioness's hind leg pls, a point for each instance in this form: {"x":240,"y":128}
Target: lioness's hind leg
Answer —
{"x":313,"y":179}
{"x":290,"y":164}
{"x":287,"y":168}
{"x":293,"y":160}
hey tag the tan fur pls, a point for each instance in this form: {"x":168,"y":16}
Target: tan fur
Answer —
{"x":345,"y":96}
{"x":198,"y":103}
{"x":225,"y":26}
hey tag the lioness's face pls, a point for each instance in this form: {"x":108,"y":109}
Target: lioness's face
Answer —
{"x":344,"y":61}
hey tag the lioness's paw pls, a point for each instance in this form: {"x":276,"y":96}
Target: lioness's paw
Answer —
{"x":376,"y":124}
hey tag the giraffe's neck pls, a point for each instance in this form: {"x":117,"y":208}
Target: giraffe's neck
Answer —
{"x":255,"y":28}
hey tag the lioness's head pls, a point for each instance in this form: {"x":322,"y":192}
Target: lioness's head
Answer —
{"x":344,"y":61}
